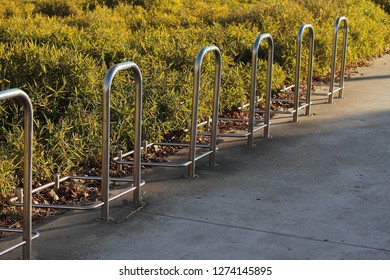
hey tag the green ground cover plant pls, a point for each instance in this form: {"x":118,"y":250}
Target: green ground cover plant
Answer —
{"x":59,"y":51}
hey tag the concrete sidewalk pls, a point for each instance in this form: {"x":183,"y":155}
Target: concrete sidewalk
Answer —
{"x":319,"y":189}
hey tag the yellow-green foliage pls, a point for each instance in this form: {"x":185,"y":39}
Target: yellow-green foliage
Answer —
{"x":58,"y":51}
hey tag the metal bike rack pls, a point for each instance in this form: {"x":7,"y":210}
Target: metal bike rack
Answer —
{"x":28,"y":233}
{"x":253,"y":102}
{"x":104,"y":178}
{"x":106,"y":135}
{"x":340,"y":88}
{"x":267,"y":116}
{"x":212,"y":147}
{"x":296,"y":92}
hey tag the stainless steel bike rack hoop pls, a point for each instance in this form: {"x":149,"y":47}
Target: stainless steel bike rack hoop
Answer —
{"x":195,"y":103}
{"x":28,"y":233}
{"x":106,"y":134}
{"x":340,"y":89}
{"x":296,"y":92}
{"x":332,"y":90}
{"x":210,"y":148}
{"x":256,"y":125}
{"x":255,"y":55}
{"x":104,"y":178}
{"x":307,"y":105}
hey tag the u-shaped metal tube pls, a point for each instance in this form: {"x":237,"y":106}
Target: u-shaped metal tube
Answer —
{"x":195,"y":106}
{"x":298,"y":70}
{"x":255,"y":56}
{"x":334,"y":55}
{"x":106,"y":134}
{"x":27,"y":166}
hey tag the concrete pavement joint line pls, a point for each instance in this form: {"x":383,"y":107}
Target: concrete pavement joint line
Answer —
{"x":269,"y":232}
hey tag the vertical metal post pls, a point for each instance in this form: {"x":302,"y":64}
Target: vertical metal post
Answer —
{"x":146,"y":143}
{"x":208,"y":123}
{"x":56,"y":186}
{"x":27,"y":166}
{"x":105,"y":215}
{"x":120,"y":158}
{"x":334,"y":55}
{"x":253,"y":96}
{"x":195,"y":106}
{"x":19,"y":194}
{"x":298,"y":70}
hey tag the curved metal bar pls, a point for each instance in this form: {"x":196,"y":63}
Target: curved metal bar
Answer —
{"x":195,"y":105}
{"x":298,"y":70}
{"x":27,"y":173}
{"x":334,"y":55}
{"x":106,"y":134}
{"x":35,"y":235}
{"x":255,"y":56}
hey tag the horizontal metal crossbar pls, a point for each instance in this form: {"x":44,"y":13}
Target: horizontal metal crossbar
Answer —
{"x":167,"y":164}
{"x":287,"y":100}
{"x":337,"y":89}
{"x":91,"y":178}
{"x":303,"y":106}
{"x":286,"y":112}
{"x":321,"y":93}
{"x":182,"y":144}
{"x":164,"y":163}
{"x":327,"y":93}
{"x":88,"y":207}
{"x":287,"y":88}
{"x":286,"y":92}
{"x":239,"y":134}
{"x":115,"y":159}
{"x":234,"y":119}
{"x":234,"y":135}
{"x":34,"y":235}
